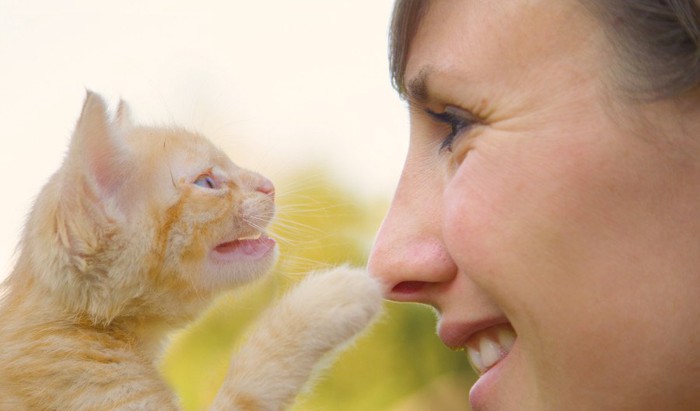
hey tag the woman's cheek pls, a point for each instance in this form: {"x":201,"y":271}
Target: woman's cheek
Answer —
{"x":461,"y":149}
{"x":470,"y":211}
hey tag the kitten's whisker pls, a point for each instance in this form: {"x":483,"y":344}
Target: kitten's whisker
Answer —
{"x":322,"y":211}
{"x":297,"y":230}
{"x":293,"y":236}
{"x":287,"y":241}
{"x":297,"y":266}
{"x":305,"y":182}
{"x":277,"y":234}
{"x":295,"y":225}
{"x":303,"y":200}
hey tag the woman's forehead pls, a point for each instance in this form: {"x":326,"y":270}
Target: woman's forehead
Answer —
{"x":487,"y":37}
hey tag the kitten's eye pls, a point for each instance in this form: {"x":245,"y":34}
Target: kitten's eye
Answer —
{"x":206,"y":181}
{"x":459,"y":119}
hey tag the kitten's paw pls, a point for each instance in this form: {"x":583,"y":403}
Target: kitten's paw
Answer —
{"x":339,"y":303}
{"x":298,"y":336}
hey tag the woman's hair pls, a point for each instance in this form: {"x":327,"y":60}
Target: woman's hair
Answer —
{"x":656,"y":43}
{"x":404,"y":25}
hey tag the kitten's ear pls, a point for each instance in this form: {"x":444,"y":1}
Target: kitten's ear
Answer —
{"x":123,"y":118}
{"x":97,"y":149}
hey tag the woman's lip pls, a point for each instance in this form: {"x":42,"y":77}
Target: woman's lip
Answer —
{"x":487,"y":385}
{"x":455,"y":334}
{"x":463,"y":335}
{"x":490,"y":384}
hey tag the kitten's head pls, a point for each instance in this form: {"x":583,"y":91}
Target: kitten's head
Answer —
{"x":145,"y":221}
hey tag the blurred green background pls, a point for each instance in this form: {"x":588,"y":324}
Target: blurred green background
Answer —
{"x":399,"y":365}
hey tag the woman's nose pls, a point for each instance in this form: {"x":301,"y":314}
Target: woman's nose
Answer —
{"x":409,"y":256}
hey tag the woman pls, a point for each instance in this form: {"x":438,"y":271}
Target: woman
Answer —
{"x":549,"y":208}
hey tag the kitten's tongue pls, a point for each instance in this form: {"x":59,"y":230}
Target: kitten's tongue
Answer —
{"x":245,"y":249}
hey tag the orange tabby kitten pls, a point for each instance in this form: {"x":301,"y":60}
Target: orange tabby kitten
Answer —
{"x":134,"y":235}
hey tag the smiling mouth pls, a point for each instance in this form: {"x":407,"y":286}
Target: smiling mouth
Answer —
{"x":487,"y":348}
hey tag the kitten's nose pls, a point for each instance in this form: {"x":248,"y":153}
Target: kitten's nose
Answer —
{"x":265,"y":186}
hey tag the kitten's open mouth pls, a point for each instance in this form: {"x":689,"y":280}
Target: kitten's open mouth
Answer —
{"x":245,"y":248}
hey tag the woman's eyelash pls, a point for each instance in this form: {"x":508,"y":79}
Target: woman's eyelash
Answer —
{"x":460,"y":120}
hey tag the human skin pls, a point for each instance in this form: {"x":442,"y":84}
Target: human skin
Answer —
{"x":565,"y":213}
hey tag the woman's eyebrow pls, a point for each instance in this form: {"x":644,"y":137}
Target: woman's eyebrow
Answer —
{"x":416,"y":90}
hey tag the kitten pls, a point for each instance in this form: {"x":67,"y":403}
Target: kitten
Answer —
{"x":134,"y":235}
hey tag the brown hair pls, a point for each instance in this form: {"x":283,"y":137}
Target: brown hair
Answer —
{"x":404,"y":25}
{"x":656,"y":42}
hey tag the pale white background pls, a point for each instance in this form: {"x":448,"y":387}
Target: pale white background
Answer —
{"x":278,"y":84}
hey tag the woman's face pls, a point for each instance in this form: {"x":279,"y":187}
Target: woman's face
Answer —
{"x":533,"y":207}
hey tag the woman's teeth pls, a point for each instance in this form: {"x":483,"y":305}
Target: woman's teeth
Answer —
{"x":490,"y":346}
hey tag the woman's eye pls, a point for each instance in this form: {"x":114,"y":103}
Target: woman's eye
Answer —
{"x":206,"y":181}
{"x":458,"y":119}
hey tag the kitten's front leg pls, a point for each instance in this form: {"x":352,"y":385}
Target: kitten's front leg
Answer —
{"x":321,"y":314}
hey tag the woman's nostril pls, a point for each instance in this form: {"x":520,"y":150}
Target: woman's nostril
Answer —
{"x":408,"y":287}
